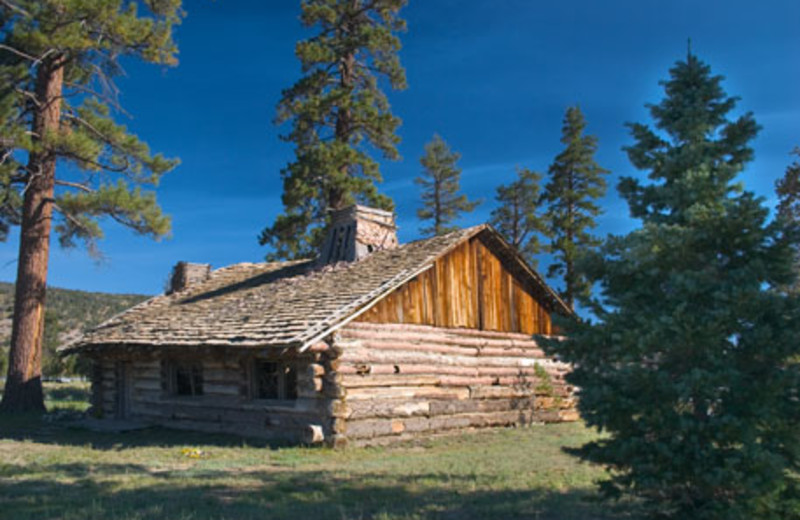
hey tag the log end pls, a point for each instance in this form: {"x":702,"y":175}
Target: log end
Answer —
{"x":314,"y":434}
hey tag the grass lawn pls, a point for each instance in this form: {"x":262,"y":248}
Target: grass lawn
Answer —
{"x":49,"y":469}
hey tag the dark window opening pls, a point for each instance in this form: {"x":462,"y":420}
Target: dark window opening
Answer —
{"x":275,"y":380}
{"x":187,"y":379}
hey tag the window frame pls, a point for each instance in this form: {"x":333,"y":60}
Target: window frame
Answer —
{"x":286,"y":374}
{"x":196,"y":378}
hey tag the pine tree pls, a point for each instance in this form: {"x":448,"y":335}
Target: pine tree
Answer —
{"x":441,"y":201}
{"x":338,"y":113}
{"x":52,"y":363}
{"x":576,"y":182}
{"x":689,"y":367}
{"x":518,"y":217}
{"x":57,"y":63}
{"x":788,"y":191}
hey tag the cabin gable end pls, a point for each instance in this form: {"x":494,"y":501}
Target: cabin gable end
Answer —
{"x":475,"y":285}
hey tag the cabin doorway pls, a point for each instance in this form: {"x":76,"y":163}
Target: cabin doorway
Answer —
{"x":122,"y":377}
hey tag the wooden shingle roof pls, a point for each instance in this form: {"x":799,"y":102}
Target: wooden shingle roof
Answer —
{"x":281,"y":304}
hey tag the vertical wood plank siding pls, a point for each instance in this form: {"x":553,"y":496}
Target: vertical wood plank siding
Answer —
{"x":467,"y":288}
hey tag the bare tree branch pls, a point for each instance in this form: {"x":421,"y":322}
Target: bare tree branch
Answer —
{"x":6,"y":154}
{"x":108,"y":98}
{"x":30,"y":177}
{"x":102,"y":166}
{"x":15,"y":8}
{"x":19,"y":53}
{"x":34,"y":59}
{"x":76,"y":185}
{"x":28,"y":94}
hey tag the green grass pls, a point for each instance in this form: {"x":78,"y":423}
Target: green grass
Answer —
{"x":49,"y":469}
{"x":67,"y":396}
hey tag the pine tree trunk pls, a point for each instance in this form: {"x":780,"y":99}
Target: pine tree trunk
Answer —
{"x":23,"y":390}
{"x":569,"y":267}
{"x":516,"y":225}
{"x":437,"y":208}
{"x":336,"y":194}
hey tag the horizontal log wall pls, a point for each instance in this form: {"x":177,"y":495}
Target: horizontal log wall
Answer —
{"x":226,"y":405}
{"x":401,"y":380}
{"x":469,"y":287}
{"x":369,"y":383}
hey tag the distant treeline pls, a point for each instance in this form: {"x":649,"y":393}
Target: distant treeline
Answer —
{"x":69,"y":313}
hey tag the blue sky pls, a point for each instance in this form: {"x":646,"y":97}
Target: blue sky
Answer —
{"x":493,"y":78}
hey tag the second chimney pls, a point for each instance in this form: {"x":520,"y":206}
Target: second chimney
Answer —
{"x":357,"y":231}
{"x":185,"y":274}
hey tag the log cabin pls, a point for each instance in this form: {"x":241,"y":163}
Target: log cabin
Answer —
{"x":369,"y":343}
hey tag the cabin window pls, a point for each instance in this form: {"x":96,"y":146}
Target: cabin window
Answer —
{"x":274,"y":380}
{"x":186,"y":378}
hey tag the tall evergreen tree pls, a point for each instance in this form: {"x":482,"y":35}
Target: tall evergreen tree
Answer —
{"x":689,"y":367}
{"x":788,"y":191}
{"x":518,"y":217}
{"x":57,"y":63}
{"x":440,"y":181}
{"x":338,"y":113}
{"x":576,"y":182}
{"x":52,"y":363}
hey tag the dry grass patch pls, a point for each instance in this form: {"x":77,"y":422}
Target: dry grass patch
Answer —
{"x":52,"y":470}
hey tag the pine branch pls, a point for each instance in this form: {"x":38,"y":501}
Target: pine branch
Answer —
{"x":95,"y":163}
{"x":75,"y":185}
{"x":69,"y":216}
{"x":100,"y":135}
{"x":34,"y":59}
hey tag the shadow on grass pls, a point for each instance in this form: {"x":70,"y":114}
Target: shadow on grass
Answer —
{"x":101,"y":491}
{"x":134,"y":488}
{"x":50,"y":428}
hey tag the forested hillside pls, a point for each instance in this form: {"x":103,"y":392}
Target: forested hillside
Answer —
{"x":68,"y":313}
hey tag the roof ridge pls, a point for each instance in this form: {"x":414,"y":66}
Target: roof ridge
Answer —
{"x":260,"y":264}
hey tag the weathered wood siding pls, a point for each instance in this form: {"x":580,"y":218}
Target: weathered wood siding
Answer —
{"x":103,"y":391}
{"x":397,"y":381}
{"x":470,"y":288}
{"x":226,"y":405}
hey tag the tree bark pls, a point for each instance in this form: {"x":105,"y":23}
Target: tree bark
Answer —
{"x":23,"y":390}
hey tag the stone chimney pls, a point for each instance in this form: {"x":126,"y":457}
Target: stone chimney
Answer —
{"x":357,"y":231}
{"x":185,"y":274}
